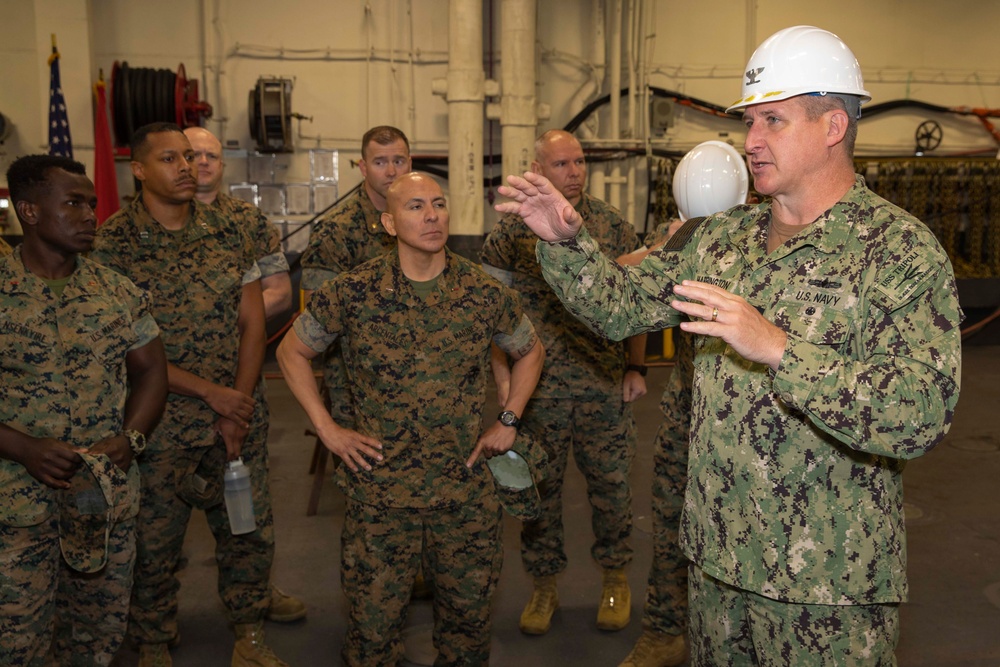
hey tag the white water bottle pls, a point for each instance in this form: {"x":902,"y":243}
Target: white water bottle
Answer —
{"x":239,"y":499}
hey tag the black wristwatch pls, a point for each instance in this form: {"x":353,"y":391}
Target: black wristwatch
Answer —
{"x":508,"y":418}
{"x":641,"y":370}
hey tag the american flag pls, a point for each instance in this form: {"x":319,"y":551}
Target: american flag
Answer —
{"x":59,"y":140}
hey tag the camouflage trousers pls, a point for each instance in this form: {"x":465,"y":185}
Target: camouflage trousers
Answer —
{"x":601,"y":434}
{"x":244,"y":560}
{"x":51,"y":614}
{"x":381,"y":553}
{"x":731,"y":627}
{"x":666,"y":606}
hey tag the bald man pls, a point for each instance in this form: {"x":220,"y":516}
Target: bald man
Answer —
{"x":416,"y":326}
{"x":583,"y":398}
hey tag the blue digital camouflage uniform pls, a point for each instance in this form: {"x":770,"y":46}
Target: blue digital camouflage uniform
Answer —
{"x":578,"y":402}
{"x":347,"y":236}
{"x":63,"y":375}
{"x":195,"y":280}
{"x":795,"y":488}
{"x":418,"y":368}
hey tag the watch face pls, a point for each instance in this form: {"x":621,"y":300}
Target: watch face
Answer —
{"x":508,"y":418}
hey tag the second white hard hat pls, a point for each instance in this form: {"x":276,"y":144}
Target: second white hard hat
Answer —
{"x":800,"y":60}
{"x":712,"y":177}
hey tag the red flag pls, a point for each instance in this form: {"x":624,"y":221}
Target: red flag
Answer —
{"x":105,"y":179}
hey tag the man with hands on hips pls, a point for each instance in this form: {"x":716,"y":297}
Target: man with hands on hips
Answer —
{"x":828,"y":354}
{"x":416,"y":326}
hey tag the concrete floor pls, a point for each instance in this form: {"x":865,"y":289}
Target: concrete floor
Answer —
{"x":953,"y":509}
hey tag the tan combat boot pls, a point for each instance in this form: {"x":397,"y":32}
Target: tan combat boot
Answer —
{"x":250,"y":649}
{"x":284,"y":608}
{"x":616,"y":600}
{"x":656,"y":649}
{"x":536,"y":619}
{"x":154,"y":655}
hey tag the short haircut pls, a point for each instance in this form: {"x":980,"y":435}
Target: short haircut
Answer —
{"x":817,"y":105}
{"x":28,"y":176}
{"x":542,"y":141}
{"x":139,"y":145}
{"x":383,"y":135}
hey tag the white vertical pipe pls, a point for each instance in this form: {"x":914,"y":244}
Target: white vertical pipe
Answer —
{"x":596,"y":176}
{"x":634,"y":42}
{"x":518,"y":119}
{"x":411,"y":112}
{"x":466,"y":95}
{"x":615,"y":71}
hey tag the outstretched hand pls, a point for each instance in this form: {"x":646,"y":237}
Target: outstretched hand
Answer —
{"x":543,"y":208}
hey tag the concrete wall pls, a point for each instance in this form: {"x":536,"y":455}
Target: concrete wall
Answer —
{"x":355,"y":68}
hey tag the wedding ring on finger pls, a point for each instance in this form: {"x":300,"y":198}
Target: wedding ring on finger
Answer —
{"x":715,"y":314}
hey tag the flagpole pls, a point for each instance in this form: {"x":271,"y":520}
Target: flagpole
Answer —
{"x":60,"y":142}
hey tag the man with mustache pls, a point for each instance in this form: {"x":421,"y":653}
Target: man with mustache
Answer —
{"x":275,"y":285}
{"x":204,"y":284}
{"x":417,"y":325}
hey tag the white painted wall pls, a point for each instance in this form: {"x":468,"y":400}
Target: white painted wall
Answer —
{"x":358,"y":64}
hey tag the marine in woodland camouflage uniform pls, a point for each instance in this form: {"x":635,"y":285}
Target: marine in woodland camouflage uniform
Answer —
{"x":275,"y":285}
{"x":197,"y":280}
{"x":81,"y":363}
{"x":417,"y":355}
{"x":350,"y":235}
{"x":263,"y":234}
{"x":578,"y":403}
{"x":794,"y":498}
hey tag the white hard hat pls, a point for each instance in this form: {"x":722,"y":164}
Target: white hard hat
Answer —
{"x":712,"y":177}
{"x":797,"y":61}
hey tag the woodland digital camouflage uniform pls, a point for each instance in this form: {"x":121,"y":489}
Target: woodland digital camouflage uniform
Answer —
{"x":63,"y":375}
{"x":666,"y":605}
{"x":344,"y":238}
{"x":266,"y":242}
{"x":195,"y":279}
{"x":578,"y":401}
{"x":262,"y":232}
{"x":795,"y":488}
{"x":418,"y":369}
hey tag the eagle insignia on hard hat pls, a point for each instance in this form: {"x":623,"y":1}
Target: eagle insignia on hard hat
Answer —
{"x":753,"y":74}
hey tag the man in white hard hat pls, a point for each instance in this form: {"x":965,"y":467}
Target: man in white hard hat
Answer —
{"x":829,"y":353}
{"x":711,"y":177}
